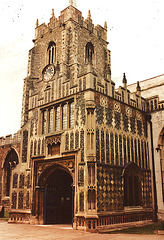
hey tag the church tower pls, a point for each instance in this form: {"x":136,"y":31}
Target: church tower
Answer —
{"x":84,"y":145}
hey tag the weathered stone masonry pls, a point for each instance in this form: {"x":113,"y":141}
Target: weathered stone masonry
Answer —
{"x":81,"y":141}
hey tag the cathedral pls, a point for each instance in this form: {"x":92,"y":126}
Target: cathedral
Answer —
{"x":83,"y":153}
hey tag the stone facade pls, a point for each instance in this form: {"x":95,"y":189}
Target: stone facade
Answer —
{"x":153,"y":91}
{"x":83,"y":154}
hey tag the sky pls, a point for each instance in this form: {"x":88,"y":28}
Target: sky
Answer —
{"x":135,"y":36}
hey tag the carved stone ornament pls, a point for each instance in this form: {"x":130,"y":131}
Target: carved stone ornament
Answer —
{"x":54,"y":139}
{"x":69,"y":164}
{"x":103,"y":101}
{"x":117,"y":107}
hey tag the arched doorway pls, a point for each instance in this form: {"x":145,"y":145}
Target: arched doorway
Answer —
{"x":132,"y":186}
{"x":58,"y":198}
{"x":10,"y":163}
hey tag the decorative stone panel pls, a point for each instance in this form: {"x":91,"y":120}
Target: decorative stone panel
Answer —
{"x":43,"y":142}
{"x":99,"y":114}
{"x":112,"y":148}
{"x":125,"y":151}
{"x":84,"y":83}
{"x":116,"y":149}
{"x":21,"y":180}
{"x":125,"y":123}
{"x":109,"y":117}
{"x":147,"y":191}
{"x":28,"y":181}
{"x":20,"y":200}
{"x":82,"y":145}
{"x":109,"y":189}
{"x":107,"y":148}
{"x":14,"y":200}
{"x":15,"y":180}
{"x":35,"y":147}
{"x":97,"y":146}
{"x":81,"y":204}
{"x":139,"y":127}
{"x":71,"y":140}
{"x":81,"y":176}
{"x":135,"y":145}
{"x":143,"y":155}
{"x":80,"y":110}
{"x":76,"y":139}
{"x":133,"y":125}
{"x":67,"y":142}
{"x":24,"y":149}
{"x":128,"y":148}
{"x":145,"y":128}
{"x":120,"y":150}
{"x":32,"y":127}
{"x":39,"y":146}
{"x":139,"y":152}
{"x":117,"y":120}
{"x":132,"y":150}
{"x":27,"y":200}
{"x":102,"y":147}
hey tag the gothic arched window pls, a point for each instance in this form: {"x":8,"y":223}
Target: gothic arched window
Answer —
{"x":132,"y":186}
{"x":10,"y":163}
{"x":51,"y":53}
{"x":89,"y":52}
{"x":91,"y":199}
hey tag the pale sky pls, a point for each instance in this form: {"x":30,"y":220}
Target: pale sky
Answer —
{"x":135,"y":36}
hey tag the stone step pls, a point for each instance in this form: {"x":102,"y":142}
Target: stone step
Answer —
{"x":120,"y":226}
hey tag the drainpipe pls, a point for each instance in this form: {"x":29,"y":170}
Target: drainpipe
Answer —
{"x":155,"y":218}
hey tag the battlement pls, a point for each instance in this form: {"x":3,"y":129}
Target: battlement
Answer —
{"x":10,"y":139}
{"x":154,"y":104}
{"x":70,"y":13}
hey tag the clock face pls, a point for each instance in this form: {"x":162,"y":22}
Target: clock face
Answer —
{"x":48,"y":72}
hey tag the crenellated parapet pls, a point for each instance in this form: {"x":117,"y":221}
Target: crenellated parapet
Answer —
{"x":75,"y":15}
{"x":10,"y":139}
{"x":154,"y":104}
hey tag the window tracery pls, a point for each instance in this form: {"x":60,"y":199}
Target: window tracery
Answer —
{"x":51,"y":53}
{"x":89,"y":52}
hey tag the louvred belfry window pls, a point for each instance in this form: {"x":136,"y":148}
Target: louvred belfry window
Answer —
{"x":89,"y":52}
{"x":51,"y":53}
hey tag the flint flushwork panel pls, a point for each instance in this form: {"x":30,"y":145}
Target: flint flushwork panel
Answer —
{"x":21,"y":180}
{"x":15,"y":180}
{"x":81,"y":201}
{"x":109,"y":189}
{"x":14,"y":200}
{"x":82,"y":145}
{"x":25,"y":143}
{"x":20,"y":200}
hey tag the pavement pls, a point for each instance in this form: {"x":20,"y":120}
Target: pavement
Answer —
{"x":11,"y":231}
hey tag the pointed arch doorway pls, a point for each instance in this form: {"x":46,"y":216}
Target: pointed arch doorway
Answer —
{"x":58,"y":202}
